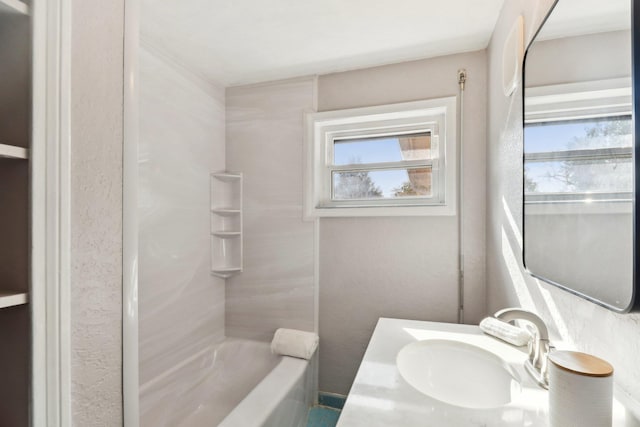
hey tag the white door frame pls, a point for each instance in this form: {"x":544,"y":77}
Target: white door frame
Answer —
{"x":50,"y":214}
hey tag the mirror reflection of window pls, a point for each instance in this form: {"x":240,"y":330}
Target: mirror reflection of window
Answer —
{"x":578,"y":160}
{"x":581,"y":160}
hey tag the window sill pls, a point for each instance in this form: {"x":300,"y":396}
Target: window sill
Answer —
{"x":380,"y":211}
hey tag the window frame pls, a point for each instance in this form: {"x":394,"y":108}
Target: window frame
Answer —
{"x":436,"y":116}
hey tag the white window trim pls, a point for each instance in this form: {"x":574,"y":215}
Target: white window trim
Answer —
{"x":590,"y":99}
{"x":322,"y":128}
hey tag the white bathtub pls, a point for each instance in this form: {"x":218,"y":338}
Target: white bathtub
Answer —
{"x":238,"y":384}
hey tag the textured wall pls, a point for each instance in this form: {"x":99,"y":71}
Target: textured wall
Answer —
{"x":264,"y":142}
{"x":96,"y":212}
{"x":400,"y":267}
{"x":581,"y":324}
{"x":181,"y":306}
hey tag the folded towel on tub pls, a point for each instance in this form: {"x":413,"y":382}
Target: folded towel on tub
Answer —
{"x":291,"y":342}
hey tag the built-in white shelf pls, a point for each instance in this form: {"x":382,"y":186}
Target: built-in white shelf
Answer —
{"x":14,"y":6}
{"x":226,"y":224}
{"x":12,"y":299}
{"x":13,"y":152}
{"x":225,"y":211}
{"x":226,"y":233}
{"x":227,"y":176}
{"x":226,"y":272}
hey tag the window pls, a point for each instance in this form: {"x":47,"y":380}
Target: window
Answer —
{"x":579,"y":144}
{"x":391,"y":160}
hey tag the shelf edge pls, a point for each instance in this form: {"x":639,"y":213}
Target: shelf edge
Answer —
{"x":13,"y":152}
{"x":226,"y":176}
{"x":226,"y":272}
{"x":12,"y":299}
{"x":226,"y":233}
{"x":14,"y":6}
{"x":226,"y":211}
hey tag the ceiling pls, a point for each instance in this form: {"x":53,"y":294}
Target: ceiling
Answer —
{"x":236,"y":42}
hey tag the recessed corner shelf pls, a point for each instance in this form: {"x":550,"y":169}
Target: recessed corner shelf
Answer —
{"x":14,"y":6}
{"x":13,"y":152}
{"x":12,"y":299}
{"x":226,"y":223}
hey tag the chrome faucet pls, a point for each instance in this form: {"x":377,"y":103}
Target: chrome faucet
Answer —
{"x":537,"y":364}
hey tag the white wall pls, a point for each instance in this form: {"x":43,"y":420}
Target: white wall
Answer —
{"x":587,"y":326}
{"x":583,"y":58}
{"x":181,"y":306}
{"x":265,"y":142}
{"x":402,"y":267}
{"x":602,"y":243}
{"x":96,"y":212}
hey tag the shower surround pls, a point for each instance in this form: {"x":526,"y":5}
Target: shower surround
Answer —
{"x":187,"y":125}
{"x":181,"y":306}
{"x":265,"y":140}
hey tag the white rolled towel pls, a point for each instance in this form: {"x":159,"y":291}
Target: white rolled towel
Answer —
{"x":505,"y":331}
{"x":294,"y":343}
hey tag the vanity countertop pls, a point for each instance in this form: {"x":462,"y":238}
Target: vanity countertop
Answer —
{"x":380,"y":396}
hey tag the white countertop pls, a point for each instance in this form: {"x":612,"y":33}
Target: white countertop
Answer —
{"x":379,"y":395}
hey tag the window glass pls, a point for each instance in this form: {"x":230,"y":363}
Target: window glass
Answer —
{"x":601,"y":132}
{"x":591,"y":156}
{"x":579,"y":176}
{"x":382,"y":184}
{"x":382,"y":149}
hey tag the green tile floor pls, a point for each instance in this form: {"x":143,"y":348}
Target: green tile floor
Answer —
{"x":320,"y":416}
{"x":327,"y":412}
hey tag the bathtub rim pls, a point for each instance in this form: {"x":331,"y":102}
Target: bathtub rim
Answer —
{"x":282,"y":379}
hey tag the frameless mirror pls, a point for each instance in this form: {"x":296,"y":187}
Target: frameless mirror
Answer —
{"x":579,"y":183}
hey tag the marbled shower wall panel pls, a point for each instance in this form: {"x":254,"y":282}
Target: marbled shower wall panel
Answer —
{"x":181,"y":305}
{"x":265,"y":135}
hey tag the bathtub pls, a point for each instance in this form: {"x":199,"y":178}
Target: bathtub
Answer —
{"x":236,"y":384}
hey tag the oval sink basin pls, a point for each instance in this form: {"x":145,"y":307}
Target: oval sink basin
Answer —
{"x":457,"y":373}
